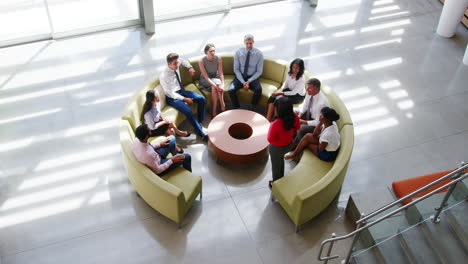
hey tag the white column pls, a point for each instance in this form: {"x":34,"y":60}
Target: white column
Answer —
{"x":451,"y":15}
{"x":148,"y":16}
{"x":313,"y":2}
{"x":465,"y":58}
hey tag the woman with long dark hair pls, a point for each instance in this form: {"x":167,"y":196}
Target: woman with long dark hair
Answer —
{"x":293,"y":88}
{"x":151,"y":115}
{"x":280,"y":135}
{"x":324,"y":142}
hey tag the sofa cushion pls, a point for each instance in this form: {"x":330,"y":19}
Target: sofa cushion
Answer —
{"x":228,"y":64}
{"x":132,"y":113}
{"x":194,"y":62}
{"x":184,"y":180}
{"x":301,"y":177}
{"x":245,"y":96}
{"x":274,"y":70}
{"x":185,"y":76}
{"x":179,"y":177}
{"x":339,"y":165}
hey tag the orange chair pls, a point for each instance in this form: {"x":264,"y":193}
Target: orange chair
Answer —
{"x":404,"y":187}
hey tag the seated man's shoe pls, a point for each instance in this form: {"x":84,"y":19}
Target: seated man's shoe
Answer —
{"x":179,"y":149}
{"x":203,"y":135}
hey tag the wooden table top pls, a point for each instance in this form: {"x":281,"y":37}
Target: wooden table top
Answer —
{"x":218,"y":132}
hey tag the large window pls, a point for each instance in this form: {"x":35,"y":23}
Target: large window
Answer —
{"x":28,"y":20}
{"x":175,"y":9}
{"x":23,"y":18}
{"x":70,"y":15}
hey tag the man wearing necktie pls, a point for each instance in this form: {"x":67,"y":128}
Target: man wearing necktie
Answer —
{"x":248,"y":66}
{"x":311,"y":107}
{"x":178,"y":97}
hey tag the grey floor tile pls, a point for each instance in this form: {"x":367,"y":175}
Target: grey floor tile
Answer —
{"x":64,"y":194}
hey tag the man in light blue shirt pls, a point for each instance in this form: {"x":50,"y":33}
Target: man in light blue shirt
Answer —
{"x":248,"y":66}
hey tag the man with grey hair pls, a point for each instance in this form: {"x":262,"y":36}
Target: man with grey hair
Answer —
{"x":248,"y":66}
{"x":309,"y":114}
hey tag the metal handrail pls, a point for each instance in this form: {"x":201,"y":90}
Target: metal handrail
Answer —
{"x":360,"y":229}
{"x":450,"y":174}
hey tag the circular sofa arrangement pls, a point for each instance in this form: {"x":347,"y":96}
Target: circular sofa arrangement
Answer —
{"x":303,"y":193}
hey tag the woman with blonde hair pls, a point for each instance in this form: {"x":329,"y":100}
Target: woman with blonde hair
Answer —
{"x":212,"y":77}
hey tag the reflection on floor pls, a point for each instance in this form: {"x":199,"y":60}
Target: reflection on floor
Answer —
{"x":64,"y":195}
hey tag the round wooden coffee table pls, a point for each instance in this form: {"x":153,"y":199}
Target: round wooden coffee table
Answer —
{"x":238,"y":136}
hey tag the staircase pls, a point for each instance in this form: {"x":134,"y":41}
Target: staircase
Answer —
{"x":425,"y":243}
{"x":430,"y":227}
{"x":412,"y":237}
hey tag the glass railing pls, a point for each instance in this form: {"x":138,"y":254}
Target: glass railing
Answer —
{"x":404,"y":213}
{"x":408,"y":218}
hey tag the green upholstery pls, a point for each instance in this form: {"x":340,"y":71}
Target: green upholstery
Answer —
{"x":274,"y":70}
{"x":306,"y":191}
{"x":171,"y":195}
{"x":313,"y":184}
{"x":274,"y":74}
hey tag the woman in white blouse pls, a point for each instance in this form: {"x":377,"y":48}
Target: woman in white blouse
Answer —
{"x":293,"y":88}
{"x":324,"y":142}
{"x":151,"y":115}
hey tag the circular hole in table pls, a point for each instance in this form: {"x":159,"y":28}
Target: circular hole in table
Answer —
{"x":240,"y":131}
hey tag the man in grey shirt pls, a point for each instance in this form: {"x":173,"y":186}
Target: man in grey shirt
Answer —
{"x":248,"y":66}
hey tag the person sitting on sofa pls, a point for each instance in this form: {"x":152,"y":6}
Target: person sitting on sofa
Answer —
{"x":248,"y":66}
{"x":178,"y":97}
{"x":154,"y":156}
{"x":151,"y":115}
{"x":324,"y":142}
{"x":293,"y":88}
{"x":212,"y":77}
{"x":314,"y":101}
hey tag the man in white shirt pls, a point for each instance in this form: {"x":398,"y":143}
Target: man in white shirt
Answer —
{"x":178,"y":97}
{"x":310,"y":112}
{"x":154,"y":156}
{"x":248,"y":66}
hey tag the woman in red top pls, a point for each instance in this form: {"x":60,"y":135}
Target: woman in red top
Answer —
{"x":280,"y":135}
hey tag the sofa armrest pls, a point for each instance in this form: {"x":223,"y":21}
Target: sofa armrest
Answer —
{"x":164,"y":197}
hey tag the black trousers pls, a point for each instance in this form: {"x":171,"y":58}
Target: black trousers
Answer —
{"x":236,"y":85}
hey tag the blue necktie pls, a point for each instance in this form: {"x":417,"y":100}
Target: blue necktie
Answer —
{"x":246,"y":65}
{"x":308,"y":113}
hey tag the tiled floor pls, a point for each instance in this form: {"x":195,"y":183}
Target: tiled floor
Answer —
{"x":64,"y":195}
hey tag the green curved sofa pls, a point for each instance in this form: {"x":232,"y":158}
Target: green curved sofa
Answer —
{"x":307,"y":190}
{"x":313,"y":184}
{"x":173,"y":194}
{"x":273,"y":76}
